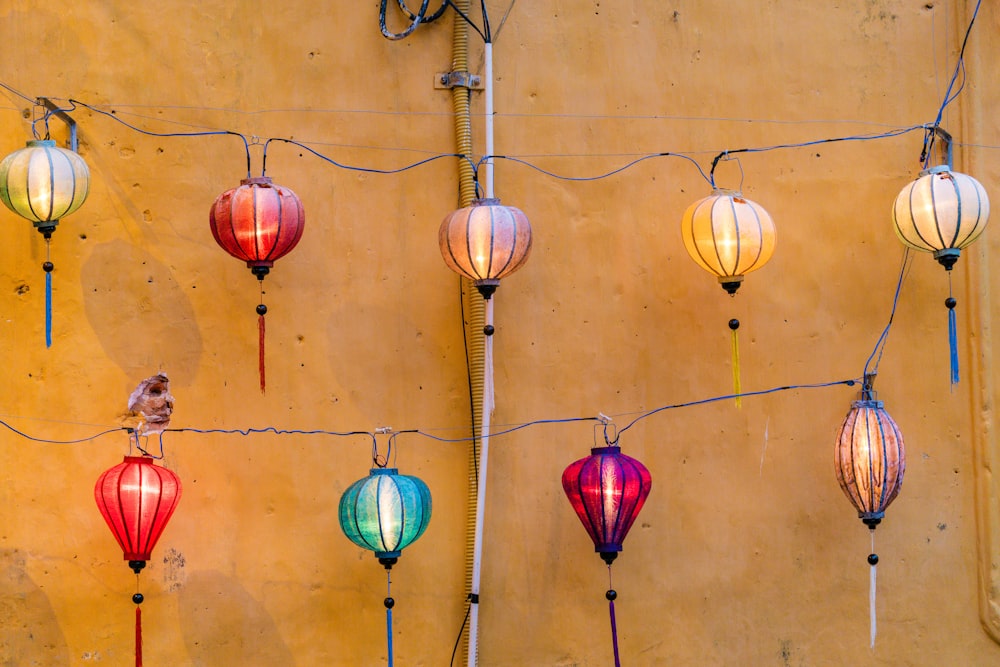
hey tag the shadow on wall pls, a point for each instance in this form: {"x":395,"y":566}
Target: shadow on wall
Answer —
{"x":31,"y":633}
{"x":224,"y":625}
{"x":140,"y":314}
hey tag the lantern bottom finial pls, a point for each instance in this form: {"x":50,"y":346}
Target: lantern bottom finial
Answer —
{"x":609,"y":556}
{"x":137,"y":565}
{"x":947,"y":257}
{"x":731,"y":283}
{"x":871,"y":519}
{"x":486,"y":287}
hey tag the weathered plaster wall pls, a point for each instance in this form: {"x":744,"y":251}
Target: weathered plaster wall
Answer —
{"x":746,"y":553}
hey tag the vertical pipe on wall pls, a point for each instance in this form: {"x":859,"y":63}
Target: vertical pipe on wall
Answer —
{"x":474,"y":309}
{"x":487,"y":395}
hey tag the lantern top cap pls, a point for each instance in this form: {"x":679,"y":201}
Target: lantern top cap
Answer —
{"x":139,"y":459}
{"x":384,"y":471}
{"x":609,"y":449}
{"x":486,"y":201}
{"x":40,"y":143}
{"x":726,"y":192}
{"x":868,"y":403}
{"x":256,"y":180}
{"x":939,"y":169}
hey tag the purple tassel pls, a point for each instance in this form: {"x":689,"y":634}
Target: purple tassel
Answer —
{"x":611,"y":595}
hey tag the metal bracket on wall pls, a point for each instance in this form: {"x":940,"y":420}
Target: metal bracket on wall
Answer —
{"x":447,"y":80}
{"x":58,"y":112}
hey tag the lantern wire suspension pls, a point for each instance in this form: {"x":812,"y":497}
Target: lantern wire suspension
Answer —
{"x":369,"y":170}
{"x":415,"y":20}
{"x":111,"y":114}
{"x":950,"y":97}
{"x":611,"y":596}
{"x":876,"y":355}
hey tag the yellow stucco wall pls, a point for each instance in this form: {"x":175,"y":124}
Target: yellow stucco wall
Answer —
{"x":746,"y":553}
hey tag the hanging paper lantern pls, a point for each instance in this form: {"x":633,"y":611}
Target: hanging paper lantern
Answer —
{"x":485,"y":242}
{"x":870,"y":459}
{"x":728,"y":235}
{"x":258,"y":222}
{"x":941,"y":212}
{"x":607,"y":489}
{"x":136,"y":499}
{"x":870,"y":462}
{"x":44,"y":183}
{"x":385,"y":512}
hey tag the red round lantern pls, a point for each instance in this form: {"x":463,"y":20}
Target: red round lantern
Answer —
{"x":607,"y":489}
{"x":136,"y":499}
{"x":258,"y":222}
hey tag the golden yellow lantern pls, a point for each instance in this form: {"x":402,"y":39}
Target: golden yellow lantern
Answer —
{"x":728,"y":235}
{"x":941,"y":212}
{"x":485,"y":242}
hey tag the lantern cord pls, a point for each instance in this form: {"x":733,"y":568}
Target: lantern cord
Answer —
{"x":468,"y":374}
{"x":904,"y":270}
{"x":950,"y":303}
{"x":599,"y":176}
{"x":950,"y":97}
{"x":111,"y":114}
{"x":368,"y":170}
{"x":30,"y":100}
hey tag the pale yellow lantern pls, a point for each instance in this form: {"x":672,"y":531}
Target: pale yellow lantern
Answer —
{"x":728,"y":235}
{"x":44,"y":183}
{"x":941,"y":212}
{"x":485,"y":242}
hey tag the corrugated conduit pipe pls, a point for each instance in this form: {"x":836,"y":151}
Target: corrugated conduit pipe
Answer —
{"x":474,"y":307}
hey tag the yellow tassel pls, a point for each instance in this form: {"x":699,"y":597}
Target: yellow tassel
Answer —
{"x":734,"y":324}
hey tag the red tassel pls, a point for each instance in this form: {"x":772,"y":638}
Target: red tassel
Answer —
{"x":260,"y":348}
{"x":138,"y":636}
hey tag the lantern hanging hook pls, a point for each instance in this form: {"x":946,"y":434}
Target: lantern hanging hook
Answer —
{"x":867,"y":393}
{"x":378,"y":460}
{"x":52,"y":109}
{"x":610,"y":431}
{"x":931,"y":135}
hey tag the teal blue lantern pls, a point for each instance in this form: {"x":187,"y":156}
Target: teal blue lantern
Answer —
{"x":385,"y":512}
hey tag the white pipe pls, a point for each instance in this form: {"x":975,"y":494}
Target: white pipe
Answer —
{"x":484,"y":448}
{"x":488,"y":112}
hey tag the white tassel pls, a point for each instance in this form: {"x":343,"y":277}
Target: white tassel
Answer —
{"x":871,"y":604}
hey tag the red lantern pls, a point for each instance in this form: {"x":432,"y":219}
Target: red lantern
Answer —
{"x":607,"y":489}
{"x":258,"y":222}
{"x":136,"y":499}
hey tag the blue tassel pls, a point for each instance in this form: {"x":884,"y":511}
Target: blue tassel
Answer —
{"x":952,"y":338}
{"x":48,"y":309}
{"x":388,"y":629}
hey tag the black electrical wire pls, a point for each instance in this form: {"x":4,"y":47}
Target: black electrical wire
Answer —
{"x":427,"y":19}
{"x":362,"y":169}
{"x":111,"y":114}
{"x":458,"y":640}
{"x":416,"y":20}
